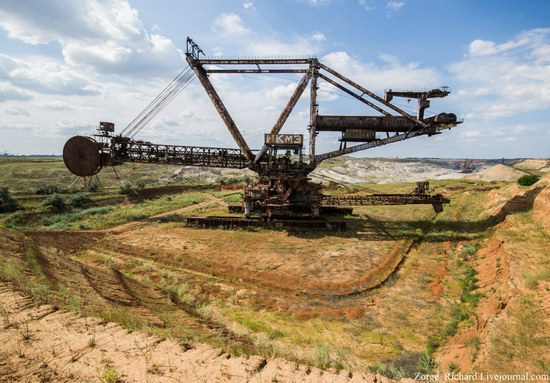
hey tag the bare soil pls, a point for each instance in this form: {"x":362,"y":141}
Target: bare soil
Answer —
{"x":42,"y":343}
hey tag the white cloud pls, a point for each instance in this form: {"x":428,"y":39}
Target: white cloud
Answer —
{"x":502,"y":80}
{"x":56,"y":106}
{"x":318,"y":2}
{"x":394,"y":5}
{"x":367,"y":4}
{"x":16,"y":111}
{"x":104,"y":35}
{"x":45,"y":76}
{"x":470,"y":133}
{"x":326,"y":92}
{"x":249,"y":6}
{"x":229,"y":24}
{"x":524,"y":129}
{"x":8,"y":92}
{"x":235,"y":36}
{"x":392,"y":74}
{"x":281,"y":92}
{"x":486,"y":47}
{"x":269,"y":108}
{"x":318,"y":36}
{"x":301,"y":46}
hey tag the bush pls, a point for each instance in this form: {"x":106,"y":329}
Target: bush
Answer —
{"x":47,"y":190}
{"x":528,"y":180}
{"x":426,"y":363}
{"x":387,"y":370}
{"x":79,"y":199}
{"x":7,"y":202}
{"x":128,"y":190}
{"x":93,"y":186}
{"x":55,"y":202}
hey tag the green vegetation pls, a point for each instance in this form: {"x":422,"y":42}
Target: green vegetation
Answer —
{"x":110,"y":375}
{"x":47,"y":189}
{"x":211,"y":299}
{"x":127,"y":189}
{"x":79,"y":199}
{"x":528,"y":179}
{"x":55,"y":202}
{"x":8,"y":204}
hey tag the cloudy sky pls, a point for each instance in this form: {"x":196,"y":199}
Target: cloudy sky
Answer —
{"x":65,"y":65}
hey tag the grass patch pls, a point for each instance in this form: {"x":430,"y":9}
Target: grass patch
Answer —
{"x":12,"y":271}
{"x":110,"y":375}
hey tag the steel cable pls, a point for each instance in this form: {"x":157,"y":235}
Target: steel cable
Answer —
{"x":172,"y":90}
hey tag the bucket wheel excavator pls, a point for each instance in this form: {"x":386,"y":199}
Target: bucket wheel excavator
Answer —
{"x":283,"y":194}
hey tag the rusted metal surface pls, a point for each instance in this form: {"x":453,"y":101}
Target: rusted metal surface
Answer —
{"x":421,"y":96}
{"x":285,"y":140}
{"x":282,"y":189}
{"x":216,"y":222}
{"x":419,"y":197}
{"x":372,"y":95}
{"x":358,"y":135}
{"x":255,"y":61}
{"x":368,"y":145}
{"x":82,"y":156}
{"x":136,"y":151}
{"x":384,"y":199}
{"x":377,"y":123}
{"x":324,"y":210}
{"x":257,"y":71}
{"x":313,"y":107}
{"x":220,"y":107}
{"x":285,"y":113}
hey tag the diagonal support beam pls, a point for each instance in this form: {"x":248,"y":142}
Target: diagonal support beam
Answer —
{"x":374,"y":96}
{"x":220,"y":107}
{"x":286,"y":111}
{"x":313,"y":109}
{"x":372,"y":144}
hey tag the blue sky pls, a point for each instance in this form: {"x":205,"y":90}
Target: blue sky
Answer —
{"x":65,"y":65}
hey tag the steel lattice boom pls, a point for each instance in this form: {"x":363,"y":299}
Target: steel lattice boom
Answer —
{"x":283,"y":187}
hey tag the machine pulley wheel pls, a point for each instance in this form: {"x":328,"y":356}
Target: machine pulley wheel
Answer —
{"x":81,"y":156}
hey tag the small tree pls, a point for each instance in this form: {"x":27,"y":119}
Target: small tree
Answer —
{"x":528,"y":179}
{"x":7,"y":202}
{"x":55,"y":202}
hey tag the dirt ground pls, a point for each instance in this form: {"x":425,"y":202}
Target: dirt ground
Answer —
{"x":195,"y":304}
{"x":41,"y":343}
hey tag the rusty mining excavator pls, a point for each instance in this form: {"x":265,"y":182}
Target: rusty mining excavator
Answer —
{"x":282,"y":195}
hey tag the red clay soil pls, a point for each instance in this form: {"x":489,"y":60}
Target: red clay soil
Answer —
{"x":493,"y":267}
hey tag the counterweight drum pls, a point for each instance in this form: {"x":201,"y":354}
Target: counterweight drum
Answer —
{"x":82,"y":156}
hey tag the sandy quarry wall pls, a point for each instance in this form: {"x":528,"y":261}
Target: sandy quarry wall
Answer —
{"x":541,"y":205}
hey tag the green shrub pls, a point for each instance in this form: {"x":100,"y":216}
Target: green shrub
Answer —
{"x":55,"y":202}
{"x":93,"y":186}
{"x":7,"y":202}
{"x":79,"y":199}
{"x":528,"y":180}
{"x":47,"y":190}
{"x":127,"y":189}
{"x":110,"y":375}
{"x":426,"y":363}
{"x":453,"y":368}
{"x":387,"y":370}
